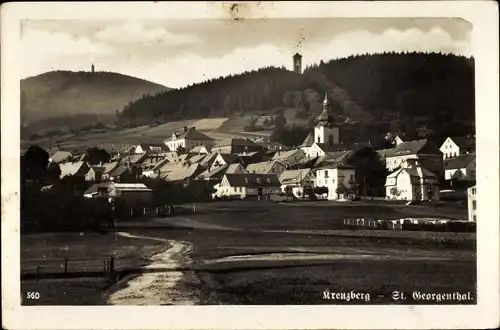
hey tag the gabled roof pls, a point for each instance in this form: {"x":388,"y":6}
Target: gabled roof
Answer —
{"x":94,"y":188}
{"x":207,"y":159}
{"x":459,"y":162}
{"x":335,"y":165}
{"x":334,"y":157}
{"x":262,"y":167}
{"x":118,"y":171}
{"x":197,"y":158}
{"x":98,"y":169}
{"x":466,"y":143}
{"x":230,"y":158}
{"x":252,"y":180}
{"x":130,"y":186}
{"x":200,"y":149}
{"x":309,"y":140}
{"x":294,"y":176}
{"x":191,"y":134}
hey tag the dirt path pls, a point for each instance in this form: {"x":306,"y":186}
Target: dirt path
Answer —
{"x":163,"y":288}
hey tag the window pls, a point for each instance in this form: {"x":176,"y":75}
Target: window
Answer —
{"x":474,"y":205}
{"x":258,"y":180}
{"x":326,"y":174}
{"x":473,"y":218}
{"x":351,"y":178}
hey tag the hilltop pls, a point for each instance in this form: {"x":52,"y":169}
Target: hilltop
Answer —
{"x":387,"y":91}
{"x":79,"y":95}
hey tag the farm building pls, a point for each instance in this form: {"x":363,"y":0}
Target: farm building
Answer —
{"x":248,"y":185}
{"x":188,"y":139}
{"x":295,"y":181}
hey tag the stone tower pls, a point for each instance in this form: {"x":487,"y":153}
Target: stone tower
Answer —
{"x":92,"y":68}
{"x":326,"y":131}
{"x":297,"y":63}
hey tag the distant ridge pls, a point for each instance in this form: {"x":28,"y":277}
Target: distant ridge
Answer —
{"x":67,"y":93}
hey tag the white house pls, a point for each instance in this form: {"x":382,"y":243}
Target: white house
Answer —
{"x":412,"y":182}
{"x":295,"y":181}
{"x":338,"y":178}
{"x":321,"y":149}
{"x":457,"y":146}
{"x":269,"y":167}
{"x":147,"y":147}
{"x":423,"y":150}
{"x":248,"y":185}
{"x":462,"y":168}
{"x":472,"y":203}
{"x":188,"y":139}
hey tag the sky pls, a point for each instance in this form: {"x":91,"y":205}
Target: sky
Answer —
{"x":176,"y":53}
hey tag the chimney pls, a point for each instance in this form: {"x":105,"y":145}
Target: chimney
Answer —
{"x":185,"y":128}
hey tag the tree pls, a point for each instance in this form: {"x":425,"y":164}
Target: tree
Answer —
{"x":395,"y":192}
{"x":96,"y":156}
{"x":34,"y":164}
{"x":321,"y":190}
{"x":280,"y":120}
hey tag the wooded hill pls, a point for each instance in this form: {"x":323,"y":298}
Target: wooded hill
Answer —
{"x":401,"y":90}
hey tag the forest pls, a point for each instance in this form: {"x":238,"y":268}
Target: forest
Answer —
{"x":385,"y":91}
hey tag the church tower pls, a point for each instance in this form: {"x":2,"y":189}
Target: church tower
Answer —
{"x":326,"y":131}
{"x":297,"y":63}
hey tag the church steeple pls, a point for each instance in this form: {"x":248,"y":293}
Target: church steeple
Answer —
{"x":325,"y":118}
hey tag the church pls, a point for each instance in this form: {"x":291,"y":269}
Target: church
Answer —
{"x":326,"y":135}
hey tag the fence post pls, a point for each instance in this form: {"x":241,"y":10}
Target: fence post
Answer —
{"x":65,"y":265}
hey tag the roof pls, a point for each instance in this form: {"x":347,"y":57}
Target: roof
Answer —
{"x":197,"y":158}
{"x":235,"y":142}
{"x":70,"y":168}
{"x":459,"y":162}
{"x":335,"y":165}
{"x":108,"y":167}
{"x":297,"y":55}
{"x":98,"y":169}
{"x":287,"y":154}
{"x":94,"y":188}
{"x":272,"y":145}
{"x":208,"y":157}
{"x":115,"y":147}
{"x":326,"y":147}
{"x":60,"y":155}
{"x":177,"y":172}
{"x":415,"y":172}
{"x":233,"y":167}
{"x":385,"y":152}
{"x":408,"y":148}
{"x":213,"y":173}
{"x":334,"y":157}
{"x":119,"y":171}
{"x":230,"y":158}
{"x":253,"y":180}
{"x":309,"y":140}
{"x":191,"y":134}
{"x":466,"y":143}
{"x":294,"y":176}
{"x":130,"y":186}
{"x":262,"y":167}
{"x":200,"y":149}
{"x":133,"y":159}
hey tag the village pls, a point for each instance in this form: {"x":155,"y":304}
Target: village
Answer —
{"x":416,"y":170}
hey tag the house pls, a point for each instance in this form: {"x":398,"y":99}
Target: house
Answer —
{"x":295,"y":181}
{"x":188,"y":139}
{"x":134,"y":159}
{"x":307,"y":144}
{"x":152,"y":172}
{"x":338,"y":178}
{"x":108,"y":168}
{"x":460,"y":168}
{"x":208,"y":160}
{"x":60,"y":156}
{"x":457,"y":146}
{"x":131,"y":193}
{"x":147,"y":148}
{"x":236,"y":146}
{"x":201,"y":150}
{"x":412,"y":182}
{"x":247,"y":185}
{"x":125,"y":174}
{"x":290,"y":158}
{"x":116,"y":148}
{"x":425,"y":151}
{"x":94,"y":174}
{"x":272,"y":146}
{"x":333,"y":157}
{"x":472,"y":203}
{"x":254,"y":157}
{"x":76,"y":169}
{"x":269,"y":167}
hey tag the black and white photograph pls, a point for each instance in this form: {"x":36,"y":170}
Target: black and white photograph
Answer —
{"x":243,"y":157}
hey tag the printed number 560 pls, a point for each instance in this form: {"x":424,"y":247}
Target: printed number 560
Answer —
{"x":33,"y":295}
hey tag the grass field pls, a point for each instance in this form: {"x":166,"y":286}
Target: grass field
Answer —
{"x":266,"y":253}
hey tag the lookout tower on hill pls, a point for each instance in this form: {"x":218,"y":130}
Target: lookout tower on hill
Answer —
{"x":92,"y":68}
{"x":297,"y":63}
